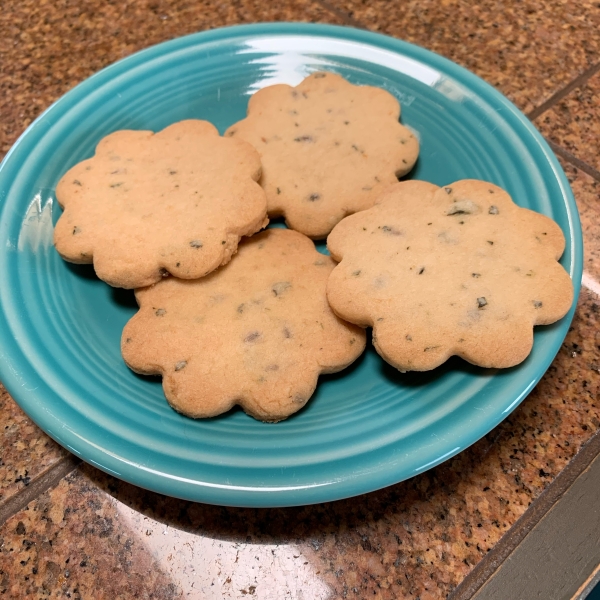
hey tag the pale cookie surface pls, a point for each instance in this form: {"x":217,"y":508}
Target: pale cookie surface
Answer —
{"x":257,"y":332}
{"x":328,"y":148}
{"x":146,"y":205}
{"x":459,"y":270}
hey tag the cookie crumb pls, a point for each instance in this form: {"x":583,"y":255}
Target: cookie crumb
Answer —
{"x":481,"y":302}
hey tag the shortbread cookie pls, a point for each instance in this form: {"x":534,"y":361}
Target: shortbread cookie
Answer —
{"x":147,"y":204}
{"x":459,"y":270}
{"x":257,"y":332}
{"x":328,"y":148}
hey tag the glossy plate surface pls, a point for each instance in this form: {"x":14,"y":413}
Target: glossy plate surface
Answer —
{"x":365,"y":428}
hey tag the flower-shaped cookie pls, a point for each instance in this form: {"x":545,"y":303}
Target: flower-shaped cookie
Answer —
{"x":459,"y":270}
{"x":257,"y":332}
{"x":328,"y":148}
{"x":147,"y":204}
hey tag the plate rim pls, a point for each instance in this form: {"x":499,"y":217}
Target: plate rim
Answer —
{"x":11,"y":377}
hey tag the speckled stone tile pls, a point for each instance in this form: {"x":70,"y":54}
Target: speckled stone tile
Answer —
{"x":48,"y":47}
{"x":417,"y":539}
{"x":26,"y":451}
{"x":71,"y":543}
{"x":586,"y":190}
{"x":574,"y":122}
{"x":526,"y":49}
{"x":95,"y":537}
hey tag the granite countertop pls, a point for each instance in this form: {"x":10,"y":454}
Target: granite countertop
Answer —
{"x":69,"y":530}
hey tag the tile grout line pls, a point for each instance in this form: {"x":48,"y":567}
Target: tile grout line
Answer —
{"x":558,"y":96}
{"x":341,"y":14}
{"x":37,"y":487}
{"x":576,"y":162}
{"x":541,"y":506}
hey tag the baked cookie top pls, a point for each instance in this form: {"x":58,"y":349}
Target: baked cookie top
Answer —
{"x":328,"y":148}
{"x":257,"y":332}
{"x":459,"y":270}
{"x":146,"y":205}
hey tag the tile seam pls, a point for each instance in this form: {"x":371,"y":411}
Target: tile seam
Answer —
{"x":576,"y":162}
{"x":563,"y":92}
{"x":47,"y":480}
{"x":341,"y":14}
{"x":493,"y":560}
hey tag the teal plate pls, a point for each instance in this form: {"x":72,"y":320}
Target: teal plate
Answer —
{"x":365,"y":428}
